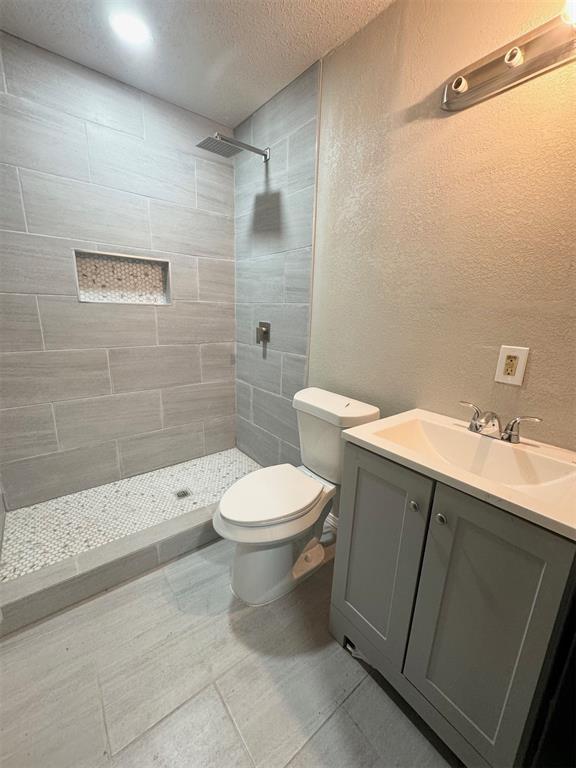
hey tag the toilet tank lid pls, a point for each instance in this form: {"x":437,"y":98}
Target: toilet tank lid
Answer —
{"x":342,"y":411}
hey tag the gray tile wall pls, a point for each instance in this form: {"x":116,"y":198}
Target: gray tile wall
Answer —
{"x":90,"y":393}
{"x":274,"y":206}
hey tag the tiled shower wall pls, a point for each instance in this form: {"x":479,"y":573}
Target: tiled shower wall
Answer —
{"x":274,"y":205}
{"x":90,"y":393}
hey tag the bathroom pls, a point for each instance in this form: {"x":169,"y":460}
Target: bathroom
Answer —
{"x":287,"y":383}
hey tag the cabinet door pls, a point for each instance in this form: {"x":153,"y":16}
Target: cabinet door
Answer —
{"x":490,"y":590}
{"x":382,"y":524}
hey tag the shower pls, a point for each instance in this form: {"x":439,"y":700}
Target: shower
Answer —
{"x":228,"y":147}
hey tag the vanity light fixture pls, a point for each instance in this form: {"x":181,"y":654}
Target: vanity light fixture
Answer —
{"x":544,"y":48}
{"x":130,"y":28}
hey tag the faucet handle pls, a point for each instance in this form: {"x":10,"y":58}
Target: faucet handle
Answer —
{"x":477,"y":410}
{"x":511,"y":433}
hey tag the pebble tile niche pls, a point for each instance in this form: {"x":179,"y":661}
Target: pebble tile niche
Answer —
{"x":117,"y":279}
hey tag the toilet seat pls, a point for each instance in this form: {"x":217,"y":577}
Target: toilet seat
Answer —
{"x":272,"y":495}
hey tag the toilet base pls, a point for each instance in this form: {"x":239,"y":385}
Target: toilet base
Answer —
{"x":261,"y":575}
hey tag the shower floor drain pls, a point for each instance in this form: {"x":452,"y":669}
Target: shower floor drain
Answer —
{"x":182,"y":493}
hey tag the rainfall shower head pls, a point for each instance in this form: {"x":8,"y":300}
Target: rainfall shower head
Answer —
{"x":228,"y":147}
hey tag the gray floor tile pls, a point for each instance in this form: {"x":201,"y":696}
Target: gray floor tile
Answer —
{"x":338,"y":744}
{"x":160,"y":644}
{"x":55,"y":720}
{"x":200,"y":733}
{"x":396,"y":739}
{"x":294,"y":680}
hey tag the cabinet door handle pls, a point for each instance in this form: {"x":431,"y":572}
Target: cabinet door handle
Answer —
{"x":441,"y":519}
{"x":414,"y":506}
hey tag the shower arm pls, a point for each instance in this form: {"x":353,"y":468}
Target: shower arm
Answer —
{"x":265,"y":153}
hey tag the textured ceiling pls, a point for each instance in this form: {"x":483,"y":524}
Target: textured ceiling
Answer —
{"x":219,"y":58}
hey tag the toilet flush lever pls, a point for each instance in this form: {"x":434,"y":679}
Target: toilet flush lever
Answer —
{"x":262,"y":333}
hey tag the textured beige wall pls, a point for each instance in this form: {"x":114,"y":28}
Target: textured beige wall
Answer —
{"x":440,"y":237}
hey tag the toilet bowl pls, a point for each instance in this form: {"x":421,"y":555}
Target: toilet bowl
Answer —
{"x":277,"y":515}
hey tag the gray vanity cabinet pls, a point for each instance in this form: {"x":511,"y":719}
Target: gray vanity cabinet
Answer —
{"x":384,"y":510}
{"x":489,"y":593}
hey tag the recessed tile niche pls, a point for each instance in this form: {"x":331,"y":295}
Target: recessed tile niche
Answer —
{"x":118,"y":279}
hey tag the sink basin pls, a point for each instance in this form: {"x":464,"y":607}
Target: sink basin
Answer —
{"x":535,"y":480}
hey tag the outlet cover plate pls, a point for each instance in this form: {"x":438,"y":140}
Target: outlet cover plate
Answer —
{"x":512,"y":359}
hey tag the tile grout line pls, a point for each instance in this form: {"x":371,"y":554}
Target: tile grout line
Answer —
{"x":333,"y":714}
{"x":149,"y":218}
{"x":161,"y":400}
{"x":21,"y":191}
{"x":88,"y":152}
{"x":119,"y":459}
{"x":233,"y":721}
{"x":103,"y":711}
{"x":3,"y":68}
{"x":146,"y":198}
{"x":39,"y":321}
{"x":97,"y":243}
{"x":58,"y":443}
{"x":109,"y":370}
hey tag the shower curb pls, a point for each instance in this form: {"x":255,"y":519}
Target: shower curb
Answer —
{"x":42,"y":593}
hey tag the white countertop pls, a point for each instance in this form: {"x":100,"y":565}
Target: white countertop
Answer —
{"x":542,"y":488}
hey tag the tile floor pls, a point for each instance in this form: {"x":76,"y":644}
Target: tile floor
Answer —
{"x":171,"y":671}
{"x":46,"y":533}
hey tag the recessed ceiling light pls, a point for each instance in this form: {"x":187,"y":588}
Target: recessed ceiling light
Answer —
{"x":130,"y":28}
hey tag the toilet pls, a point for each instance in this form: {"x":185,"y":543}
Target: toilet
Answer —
{"x":277,"y":515}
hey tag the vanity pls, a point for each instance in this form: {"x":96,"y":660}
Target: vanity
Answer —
{"x":454,"y":572}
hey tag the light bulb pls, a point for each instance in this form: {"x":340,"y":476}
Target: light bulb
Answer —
{"x":569,"y":12}
{"x":130,"y":28}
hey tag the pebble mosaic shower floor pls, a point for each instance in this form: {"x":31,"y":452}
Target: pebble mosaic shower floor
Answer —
{"x":46,"y":533}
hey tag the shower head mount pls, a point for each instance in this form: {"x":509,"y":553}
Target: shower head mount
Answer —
{"x":226,"y":146}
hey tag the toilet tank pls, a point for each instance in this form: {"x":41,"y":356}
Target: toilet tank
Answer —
{"x":322,"y":416}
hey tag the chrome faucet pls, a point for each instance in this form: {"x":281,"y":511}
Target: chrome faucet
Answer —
{"x":488,"y":423}
{"x":483,"y":422}
{"x":511,"y":432}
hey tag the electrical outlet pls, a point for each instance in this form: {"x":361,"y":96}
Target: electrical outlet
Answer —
{"x":511,"y":365}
